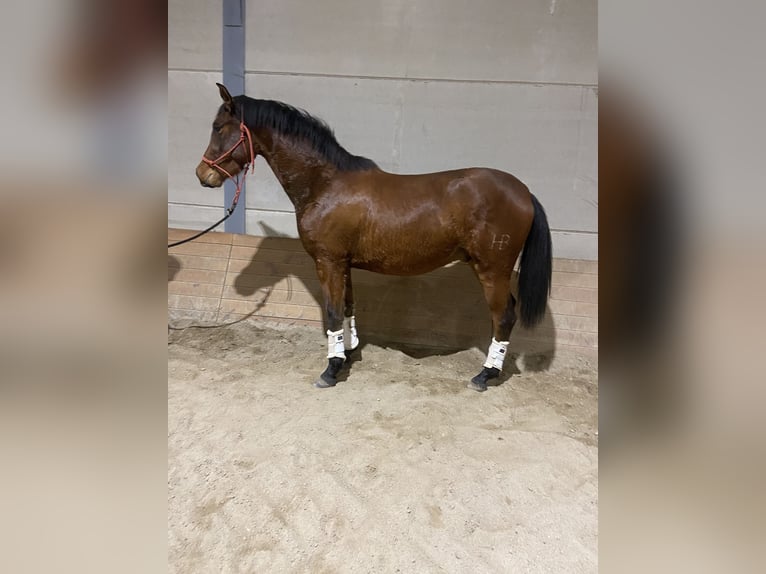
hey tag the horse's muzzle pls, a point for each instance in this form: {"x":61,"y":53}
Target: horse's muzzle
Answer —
{"x":208,"y":177}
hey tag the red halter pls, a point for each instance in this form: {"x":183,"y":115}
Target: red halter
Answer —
{"x":244,"y":135}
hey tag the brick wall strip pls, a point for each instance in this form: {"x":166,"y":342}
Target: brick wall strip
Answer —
{"x":212,"y":237}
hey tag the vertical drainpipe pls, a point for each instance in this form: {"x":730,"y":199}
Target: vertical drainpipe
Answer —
{"x":234,"y":80}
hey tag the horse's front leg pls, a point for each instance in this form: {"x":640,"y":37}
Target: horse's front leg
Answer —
{"x":332,"y":276}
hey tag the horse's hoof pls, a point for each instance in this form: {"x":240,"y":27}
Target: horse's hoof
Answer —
{"x":477,"y":386}
{"x":325,"y":383}
{"x":479,"y":382}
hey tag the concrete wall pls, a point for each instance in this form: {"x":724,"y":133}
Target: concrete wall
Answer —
{"x":417,"y":85}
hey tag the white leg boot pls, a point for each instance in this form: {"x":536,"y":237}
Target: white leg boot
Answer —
{"x":492,"y":366}
{"x":335,"y":345}
{"x":349,"y":333}
{"x":496,"y":354}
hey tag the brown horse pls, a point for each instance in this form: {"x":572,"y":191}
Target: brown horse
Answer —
{"x":353,"y":214}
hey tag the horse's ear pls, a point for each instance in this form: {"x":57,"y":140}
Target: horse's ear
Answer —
{"x":225,"y":95}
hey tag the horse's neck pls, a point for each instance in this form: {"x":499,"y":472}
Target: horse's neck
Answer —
{"x":299,"y":169}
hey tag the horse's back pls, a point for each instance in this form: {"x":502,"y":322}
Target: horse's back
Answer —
{"x":468,"y":194}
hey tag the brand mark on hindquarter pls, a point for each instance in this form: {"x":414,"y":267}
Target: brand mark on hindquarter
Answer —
{"x":500,"y":242}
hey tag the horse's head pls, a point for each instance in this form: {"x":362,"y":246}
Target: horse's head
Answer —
{"x":230,"y":147}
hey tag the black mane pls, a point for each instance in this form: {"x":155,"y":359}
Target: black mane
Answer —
{"x":299,"y":124}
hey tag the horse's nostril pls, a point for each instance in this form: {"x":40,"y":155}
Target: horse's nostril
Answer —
{"x":209,"y":180}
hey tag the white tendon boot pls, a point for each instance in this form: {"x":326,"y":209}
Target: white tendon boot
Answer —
{"x":349,"y":333}
{"x":335,"y":345}
{"x":496,"y":354}
{"x":336,"y":356}
{"x":492,"y":366}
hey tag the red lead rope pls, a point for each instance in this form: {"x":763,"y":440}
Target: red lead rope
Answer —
{"x":244,"y":135}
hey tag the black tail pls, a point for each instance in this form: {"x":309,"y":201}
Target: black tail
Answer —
{"x":535,"y":269}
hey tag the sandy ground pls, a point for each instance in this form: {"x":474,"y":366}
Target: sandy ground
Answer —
{"x":400,"y":468}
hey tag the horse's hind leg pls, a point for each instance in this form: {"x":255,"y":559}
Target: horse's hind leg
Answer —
{"x":497,"y":291}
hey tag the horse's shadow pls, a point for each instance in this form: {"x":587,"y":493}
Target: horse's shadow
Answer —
{"x":436,"y":314}
{"x":174,"y":266}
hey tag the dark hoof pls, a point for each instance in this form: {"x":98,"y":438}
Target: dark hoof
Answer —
{"x":325,"y":382}
{"x":479,"y":382}
{"x":330,"y":376}
{"x":476,"y":386}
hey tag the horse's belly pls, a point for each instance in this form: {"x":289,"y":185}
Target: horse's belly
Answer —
{"x":407,"y":259}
